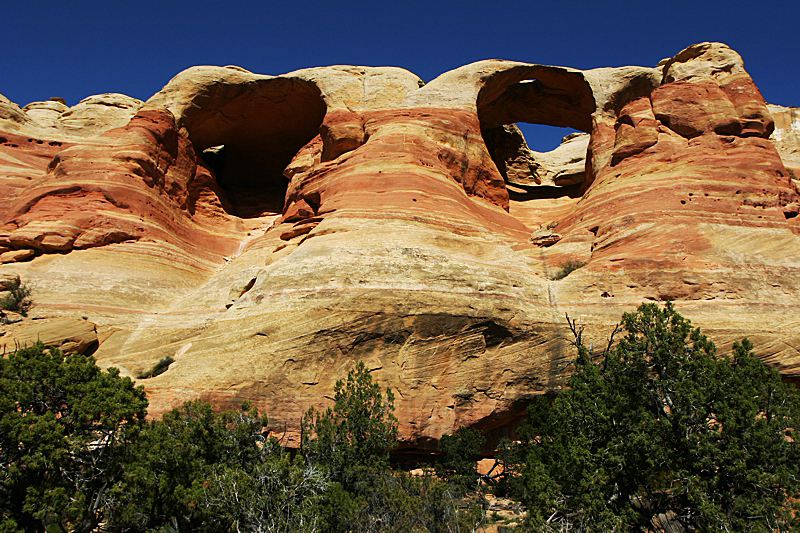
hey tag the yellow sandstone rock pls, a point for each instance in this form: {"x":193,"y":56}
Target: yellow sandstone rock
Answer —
{"x":268,"y":232}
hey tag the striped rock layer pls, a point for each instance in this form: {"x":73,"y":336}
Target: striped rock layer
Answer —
{"x":267,"y":232}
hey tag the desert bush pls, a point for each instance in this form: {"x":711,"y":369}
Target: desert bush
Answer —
{"x":351,"y":441}
{"x":18,"y":298}
{"x":356,"y":434}
{"x":460,"y":453}
{"x":64,"y":428}
{"x":663,"y":431}
{"x":158,"y":369}
{"x":169,"y":457}
{"x":567,"y":268}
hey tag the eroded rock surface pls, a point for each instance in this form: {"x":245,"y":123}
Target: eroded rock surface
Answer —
{"x":66,"y":334}
{"x":268,"y":232}
{"x":786,"y":138}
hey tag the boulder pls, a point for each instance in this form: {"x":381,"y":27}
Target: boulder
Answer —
{"x":66,"y":334}
{"x":46,"y":114}
{"x":99,"y":113}
{"x":9,"y":317}
{"x":8,"y":281}
{"x":12,"y":256}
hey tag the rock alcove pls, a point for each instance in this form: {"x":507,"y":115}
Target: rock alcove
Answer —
{"x":248,"y":139}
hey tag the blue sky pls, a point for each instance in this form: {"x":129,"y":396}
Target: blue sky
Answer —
{"x":77,"y":48}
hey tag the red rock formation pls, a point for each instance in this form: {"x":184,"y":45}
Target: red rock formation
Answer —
{"x":269,"y":232}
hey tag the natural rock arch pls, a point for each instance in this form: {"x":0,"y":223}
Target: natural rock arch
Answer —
{"x":551,"y":96}
{"x":253,"y":125}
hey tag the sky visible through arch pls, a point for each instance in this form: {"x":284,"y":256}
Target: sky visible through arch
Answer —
{"x":78,"y":48}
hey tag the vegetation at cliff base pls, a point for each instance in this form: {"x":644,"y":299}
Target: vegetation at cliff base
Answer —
{"x":662,"y":433}
{"x":65,"y":426}
{"x":656,"y":433}
{"x":197,"y":470}
{"x":357,"y":433}
{"x":459,"y":454}
{"x":351,"y":441}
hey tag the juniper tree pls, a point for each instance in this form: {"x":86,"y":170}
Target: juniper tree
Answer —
{"x":661,"y":429}
{"x":64,"y":428}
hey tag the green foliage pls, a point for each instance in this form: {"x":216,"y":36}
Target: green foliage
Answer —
{"x":567,"y":268}
{"x":77,"y":455}
{"x":351,"y":441}
{"x":64,"y":425}
{"x":158,"y":369}
{"x":275,"y":493}
{"x":356,"y":435}
{"x":19,"y":298}
{"x":196,"y":470}
{"x":661,"y":429}
{"x":459,"y":455}
{"x":397,"y":502}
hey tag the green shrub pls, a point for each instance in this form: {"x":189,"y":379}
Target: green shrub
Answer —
{"x":356,"y":435}
{"x":197,"y":470}
{"x":64,"y":428}
{"x":158,"y":369}
{"x":351,"y":441}
{"x":568,"y":267}
{"x":460,"y":453}
{"x":661,"y":430}
{"x":19,"y":300}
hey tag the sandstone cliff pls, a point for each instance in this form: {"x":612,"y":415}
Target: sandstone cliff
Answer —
{"x":268,"y":232}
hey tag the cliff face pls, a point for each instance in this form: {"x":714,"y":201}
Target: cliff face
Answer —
{"x":269,"y":232}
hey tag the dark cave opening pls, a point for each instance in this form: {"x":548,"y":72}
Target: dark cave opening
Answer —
{"x":248,"y":140}
{"x":251,"y":177}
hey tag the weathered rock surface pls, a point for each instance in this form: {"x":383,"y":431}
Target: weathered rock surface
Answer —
{"x":46,"y":113}
{"x":268,"y":232}
{"x":99,"y":113}
{"x":786,"y":138}
{"x":66,"y":334}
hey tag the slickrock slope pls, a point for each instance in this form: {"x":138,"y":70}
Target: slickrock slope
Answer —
{"x":268,"y":232}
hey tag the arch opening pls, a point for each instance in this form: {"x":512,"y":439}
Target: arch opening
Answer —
{"x":531,"y":174}
{"x":249,"y":139}
{"x":540,"y":184}
{"x":541,"y":138}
